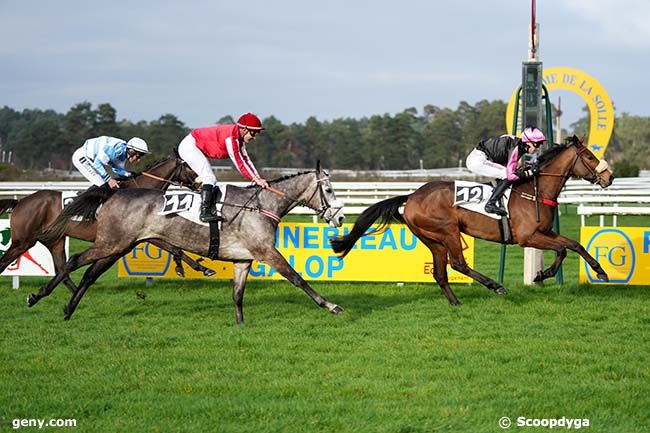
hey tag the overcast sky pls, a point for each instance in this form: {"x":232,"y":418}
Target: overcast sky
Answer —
{"x":204,"y":59}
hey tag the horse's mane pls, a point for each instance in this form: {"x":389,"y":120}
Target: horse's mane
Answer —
{"x":149,"y":166}
{"x":551,"y":153}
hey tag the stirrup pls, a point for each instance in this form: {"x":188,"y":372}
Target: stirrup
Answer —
{"x":209,"y":217}
{"x":493,"y":208}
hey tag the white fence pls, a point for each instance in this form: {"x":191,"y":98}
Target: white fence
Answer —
{"x":357,"y":196}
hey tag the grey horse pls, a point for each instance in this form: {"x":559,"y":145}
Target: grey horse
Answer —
{"x":252,"y":215}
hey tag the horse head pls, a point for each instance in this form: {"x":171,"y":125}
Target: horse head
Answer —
{"x":160,"y":175}
{"x":312,"y":189}
{"x":333,"y":207}
{"x":587,"y":166}
{"x":574,"y":159}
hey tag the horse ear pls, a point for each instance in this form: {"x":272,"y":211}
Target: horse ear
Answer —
{"x":318,"y":166}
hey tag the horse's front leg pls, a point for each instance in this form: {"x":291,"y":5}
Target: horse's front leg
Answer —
{"x":241,"y":270}
{"x":559,"y":243}
{"x":552,"y":270}
{"x":277,"y":261}
{"x":59,"y":258}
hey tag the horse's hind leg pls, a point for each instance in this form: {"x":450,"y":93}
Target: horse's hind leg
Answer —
{"x":450,"y":238}
{"x":275,"y":259}
{"x":64,"y":272}
{"x":241,"y":270}
{"x":92,"y":254}
{"x":439,"y":253}
{"x":459,"y":264}
{"x":59,"y":258}
{"x":90,"y":276}
{"x":17,"y":248}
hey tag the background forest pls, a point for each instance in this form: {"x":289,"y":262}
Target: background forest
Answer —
{"x":33,"y":140}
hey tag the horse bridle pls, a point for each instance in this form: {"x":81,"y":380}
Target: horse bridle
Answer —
{"x":324,"y":203}
{"x":579,"y":149}
{"x":595,"y":172}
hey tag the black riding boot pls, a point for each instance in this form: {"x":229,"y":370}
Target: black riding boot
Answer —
{"x":207,"y":204}
{"x":494,"y":203}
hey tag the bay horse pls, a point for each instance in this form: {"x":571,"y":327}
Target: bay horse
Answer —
{"x":430,"y":214}
{"x":249,"y":233}
{"x":32,"y":215}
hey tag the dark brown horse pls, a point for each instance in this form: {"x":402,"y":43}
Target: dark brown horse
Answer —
{"x":34,"y":213}
{"x":430,"y":214}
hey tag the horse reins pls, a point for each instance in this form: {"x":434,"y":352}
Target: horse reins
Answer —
{"x":579,"y":150}
{"x":320,"y":211}
{"x":171,"y":182}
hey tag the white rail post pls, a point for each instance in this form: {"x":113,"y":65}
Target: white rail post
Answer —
{"x":533,"y":263}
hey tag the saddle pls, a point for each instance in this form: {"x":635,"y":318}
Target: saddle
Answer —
{"x":187,"y":205}
{"x":473,"y":196}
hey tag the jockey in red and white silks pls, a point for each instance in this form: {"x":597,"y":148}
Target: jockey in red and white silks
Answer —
{"x":221,"y":142}
{"x":218,"y":142}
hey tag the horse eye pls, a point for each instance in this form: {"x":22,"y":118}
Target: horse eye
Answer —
{"x":328,"y":190}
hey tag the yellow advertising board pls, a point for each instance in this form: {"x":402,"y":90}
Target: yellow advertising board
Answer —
{"x":623,"y":253}
{"x":393,"y":255}
{"x":601,"y":109}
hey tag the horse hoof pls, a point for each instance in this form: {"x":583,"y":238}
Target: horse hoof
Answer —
{"x":180,"y":272}
{"x":539,"y":277}
{"x":31,"y":300}
{"x":603,"y":277}
{"x":209,"y":272}
{"x":336,"y":309}
{"x":501,"y":290}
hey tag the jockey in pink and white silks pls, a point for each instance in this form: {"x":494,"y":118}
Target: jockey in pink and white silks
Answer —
{"x":221,"y":142}
{"x":500,"y":158}
{"x":96,"y":153}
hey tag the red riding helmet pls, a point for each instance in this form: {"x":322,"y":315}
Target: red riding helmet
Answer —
{"x":250,"y":121}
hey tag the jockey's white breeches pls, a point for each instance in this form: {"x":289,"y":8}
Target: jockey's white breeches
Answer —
{"x":478,"y":162}
{"x":85,"y":167}
{"x":197,"y":161}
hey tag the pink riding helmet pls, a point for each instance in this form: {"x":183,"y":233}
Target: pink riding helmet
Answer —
{"x":532,"y":135}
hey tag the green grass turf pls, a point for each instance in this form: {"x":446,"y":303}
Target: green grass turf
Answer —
{"x":399,"y":359}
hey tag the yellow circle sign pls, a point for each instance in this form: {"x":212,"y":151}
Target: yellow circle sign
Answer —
{"x":601,"y":110}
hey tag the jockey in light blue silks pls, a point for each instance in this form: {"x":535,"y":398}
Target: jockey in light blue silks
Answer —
{"x":96,"y":153}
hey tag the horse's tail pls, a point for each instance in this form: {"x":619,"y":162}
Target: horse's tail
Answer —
{"x":387,"y":210}
{"x":83,"y":207}
{"x":7,"y":204}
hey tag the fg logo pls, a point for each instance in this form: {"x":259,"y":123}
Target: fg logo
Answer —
{"x":615,"y":252}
